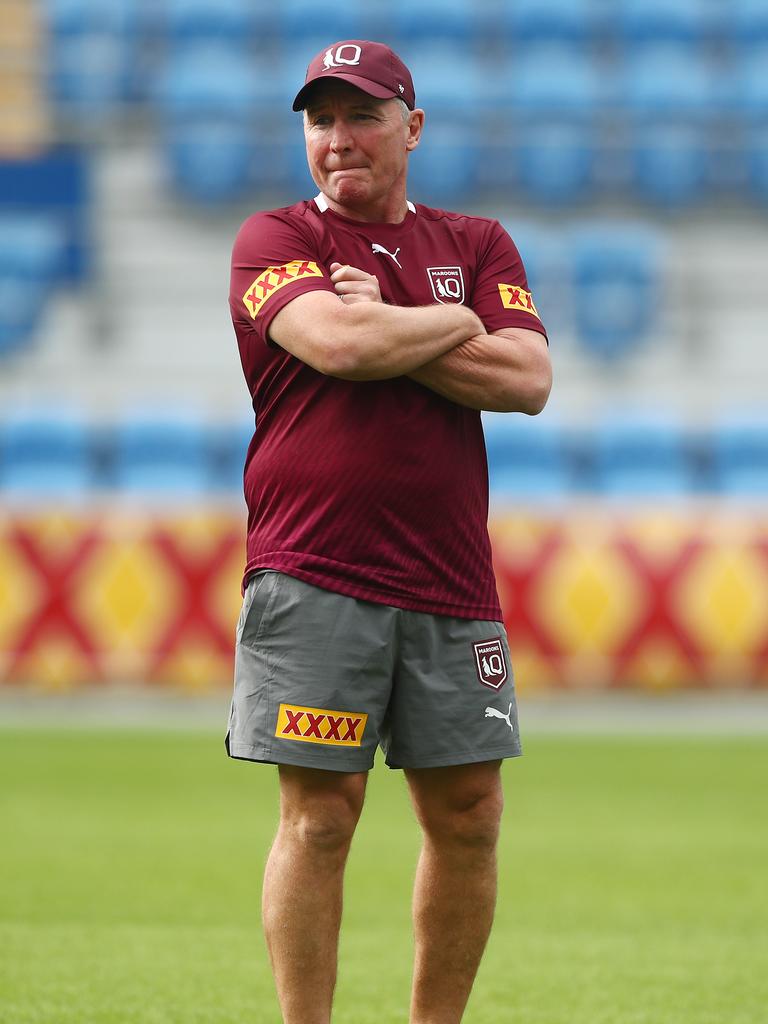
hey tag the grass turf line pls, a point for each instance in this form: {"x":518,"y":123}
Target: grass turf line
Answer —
{"x":633,"y":885}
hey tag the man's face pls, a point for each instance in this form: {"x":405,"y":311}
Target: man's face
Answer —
{"x":357,"y":146}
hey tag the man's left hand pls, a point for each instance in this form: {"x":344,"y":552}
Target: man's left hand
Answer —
{"x":354,"y":285}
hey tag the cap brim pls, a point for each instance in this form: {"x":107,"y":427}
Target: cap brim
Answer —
{"x":372,"y":88}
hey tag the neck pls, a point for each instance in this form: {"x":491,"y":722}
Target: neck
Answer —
{"x":387,"y":211}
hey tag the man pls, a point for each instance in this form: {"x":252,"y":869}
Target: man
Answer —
{"x":371,"y":333}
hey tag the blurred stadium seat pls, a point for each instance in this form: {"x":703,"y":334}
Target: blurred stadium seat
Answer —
{"x":449,"y":81}
{"x":617,"y":274}
{"x":527,"y":457}
{"x":750,"y":104}
{"x":552,"y":121}
{"x":91,"y":53}
{"x":637,"y":456}
{"x":53,"y":186}
{"x":459,"y":21}
{"x":640,"y":22}
{"x":442,"y":170}
{"x":291,"y":23}
{"x":746,"y":22}
{"x":555,"y":81}
{"x":740,"y":457}
{"x":45,"y":454}
{"x":186,"y":22}
{"x":31,"y":255}
{"x":560,"y":21}
{"x":207,"y":97}
{"x":673,"y":97}
{"x":161,"y":454}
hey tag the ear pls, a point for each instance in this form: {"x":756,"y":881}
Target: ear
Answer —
{"x":415,"y":128}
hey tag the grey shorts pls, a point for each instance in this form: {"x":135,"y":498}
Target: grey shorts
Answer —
{"x":322,"y":679}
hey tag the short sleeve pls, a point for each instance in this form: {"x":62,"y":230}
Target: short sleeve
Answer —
{"x":274,"y":260}
{"x":500,"y":294}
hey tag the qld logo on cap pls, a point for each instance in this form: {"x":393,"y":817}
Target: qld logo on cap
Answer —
{"x":347,"y":53}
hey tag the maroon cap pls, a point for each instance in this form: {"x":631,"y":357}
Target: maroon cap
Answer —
{"x":372,"y":67}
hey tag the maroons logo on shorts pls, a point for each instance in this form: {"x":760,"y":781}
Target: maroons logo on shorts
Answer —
{"x":317,"y":725}
{"x":491,"y":663}
{"x":447,"y":283}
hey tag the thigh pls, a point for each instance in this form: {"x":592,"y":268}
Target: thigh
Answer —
{"x":313,"y":674}
{"x":453,"y":699}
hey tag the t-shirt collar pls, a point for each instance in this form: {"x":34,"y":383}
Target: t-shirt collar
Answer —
{"x":322,"y":203}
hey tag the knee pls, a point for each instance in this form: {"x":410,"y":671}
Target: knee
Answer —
{"x":471,"y":821}
{"x":325,"y":823}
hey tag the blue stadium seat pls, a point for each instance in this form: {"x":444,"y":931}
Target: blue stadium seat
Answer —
{"x":31,"y":254}
{"x":746,"y":22}
{"x":92,"y":51}
{"x":641,"y":22}
{"x":670,"y":82}
{"x":449,"y":81}
{"x":45,"y":454}
{"x":617,"y":275}
{"x":555,"y":163}
{"x":671,"y":97}
{"x":575,"y":22}
{"x":671,"y":165}
{"x":207,"y":97}
{"x":292,"y":23}
{"x":52,"y":186}
{"x":551,"y":123}
{"x":527,"y":457}
{"x":740,"y":458}
{"x":643,"y":457}
{"x":209,"y":80}
{"x":234,"y":22}
{"x":160,"y":455}
{"x":555,"y":81}
{"x":442,"y":170}
{"x":458,"y":21}
{"x":756,"y":154}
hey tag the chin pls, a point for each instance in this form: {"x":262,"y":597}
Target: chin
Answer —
{"x":350,"y":192}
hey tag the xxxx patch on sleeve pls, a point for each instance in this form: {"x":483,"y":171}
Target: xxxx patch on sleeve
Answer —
{"x":273,"y":279}
{"x":515,"y":297}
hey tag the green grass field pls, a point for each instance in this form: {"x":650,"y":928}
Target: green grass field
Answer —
{"x":634,"y":885}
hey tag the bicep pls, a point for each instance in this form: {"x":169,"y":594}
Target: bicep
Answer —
{"x":306,"y":326}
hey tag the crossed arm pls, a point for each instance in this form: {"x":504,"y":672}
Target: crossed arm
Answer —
{"x":443,"y":347}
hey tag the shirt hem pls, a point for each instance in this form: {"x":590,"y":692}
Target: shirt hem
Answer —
{"x":489,"y":613}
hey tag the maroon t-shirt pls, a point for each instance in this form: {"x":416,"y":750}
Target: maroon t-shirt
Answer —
{"x":374,"y":489}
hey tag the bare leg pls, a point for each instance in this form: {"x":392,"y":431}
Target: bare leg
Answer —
{"x":302,"y":897}
{"x":459,"y":809}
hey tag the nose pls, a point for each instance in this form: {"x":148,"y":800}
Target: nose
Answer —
{"x":341,"y":137}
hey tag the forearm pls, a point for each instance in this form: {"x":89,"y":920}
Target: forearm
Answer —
{"x":376,"y":341}
{"x":489,"y":372}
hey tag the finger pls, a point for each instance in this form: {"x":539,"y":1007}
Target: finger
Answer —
{"x":347,"y":273}
{"x":355,"y":286}
{"x":335,"y":266}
